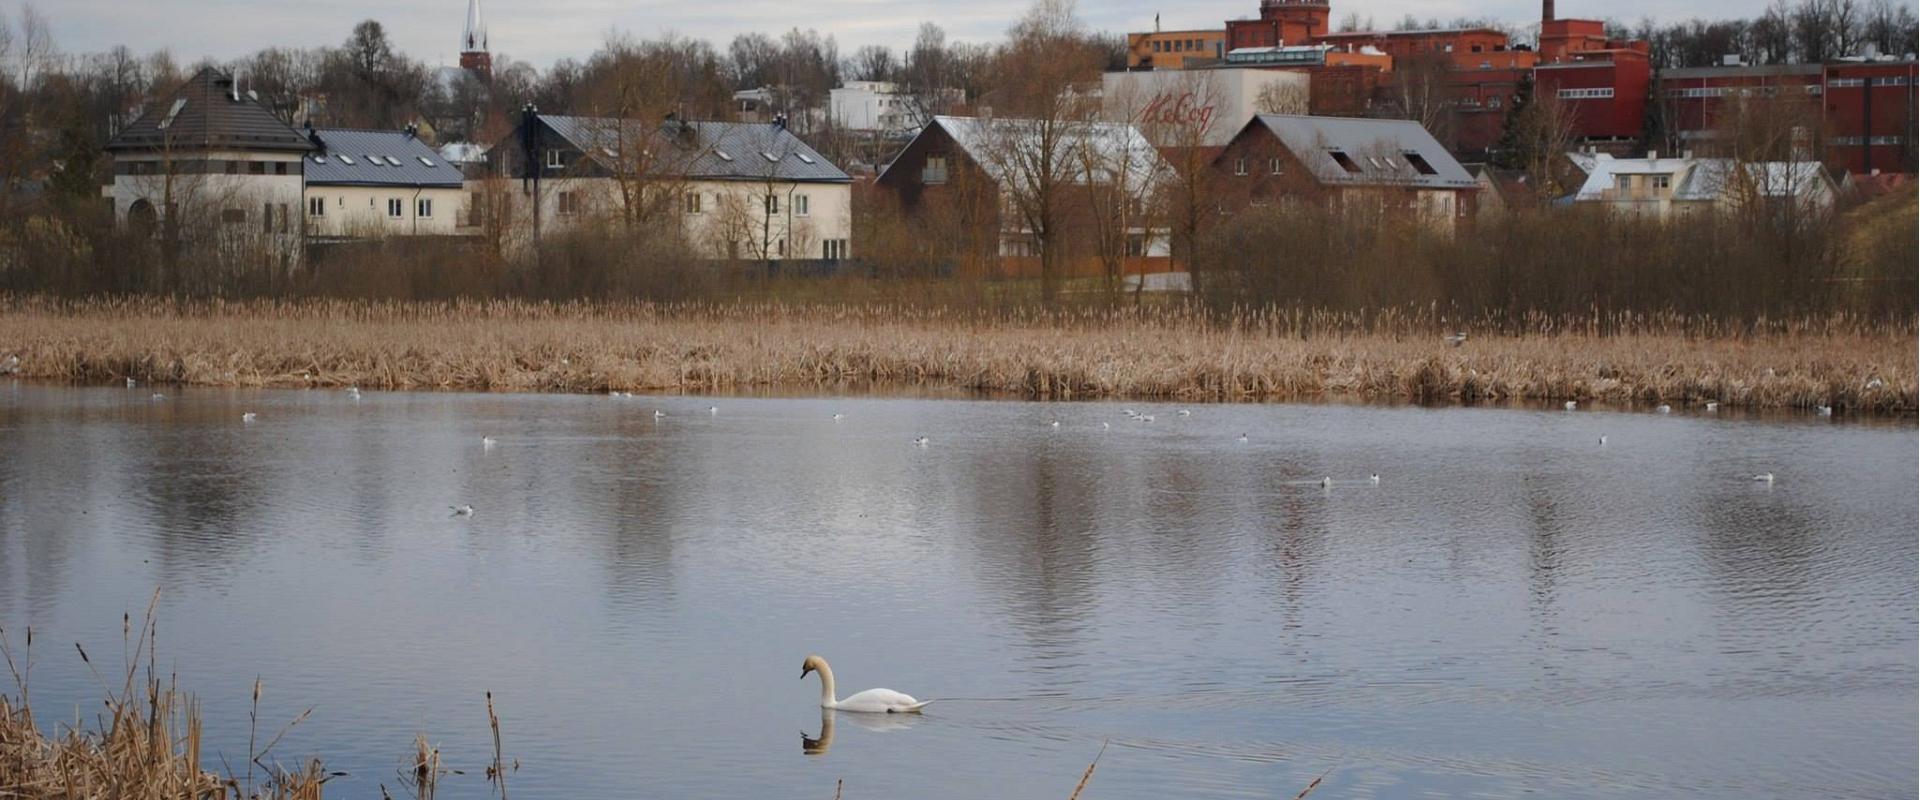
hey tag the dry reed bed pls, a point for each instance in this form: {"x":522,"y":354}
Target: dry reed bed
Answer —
{"x":1165,"y":352}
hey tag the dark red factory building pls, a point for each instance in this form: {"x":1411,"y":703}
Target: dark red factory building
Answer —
{"x":1866,"y":108}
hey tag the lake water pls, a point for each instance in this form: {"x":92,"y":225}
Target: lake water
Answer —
{"x":1514,"y":610}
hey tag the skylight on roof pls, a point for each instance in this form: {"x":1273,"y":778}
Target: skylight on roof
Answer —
{"x":424,"y":161}
{"x":722,"y":154}
{"x":771,"y":158}
{"x":391,"y":161}
{"x":173,"y":112}
{"x":319,"y":159}
{"x":346,"y":159}
{"x":805,"y":157}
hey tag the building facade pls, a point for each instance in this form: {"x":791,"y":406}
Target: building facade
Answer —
{"x":1199,"y":108}
{"x":1174,"y":49}
{"x":376,"y":184}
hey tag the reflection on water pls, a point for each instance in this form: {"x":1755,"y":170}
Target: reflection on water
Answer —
{"x":1511,"y":611}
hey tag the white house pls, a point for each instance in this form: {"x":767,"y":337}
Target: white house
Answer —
{"x":372,"y":184}
{"x":210,"y":164}
{"x":880,"y":107}
{"x":1661,"y":187}
{"x":730,"y":190}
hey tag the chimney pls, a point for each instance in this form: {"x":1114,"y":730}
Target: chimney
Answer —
{"x":1546,"y":10}
{"x":1653,"y":155}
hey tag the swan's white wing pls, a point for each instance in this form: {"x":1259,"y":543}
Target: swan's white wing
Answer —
{"x":880,"y":700}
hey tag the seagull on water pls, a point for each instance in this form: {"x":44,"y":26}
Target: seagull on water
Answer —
{"x":923,"y":441}
{"x":838,"y":417}
{"x":488,"y":442}
{"x":1603,"y":441}
{"x":1326,"y":483}
{"x":249,"y":417}
{"x":1713,"y":405}
{"x":1054,"y":424}
{"x":131,"y":383}
{"x":462,"y":511}
{"x":157,"y":397}
{"x":1106,"y":426}
{"x":1185,"y":413}
{"x":658,"y":414}
{"x":1374,"y":478}
{"x":1243,"y":438}
{"x":713,"y":411}
{"x":1145,"y":418}
{"x":1764,"y":477}
{"x":1825,"y":411}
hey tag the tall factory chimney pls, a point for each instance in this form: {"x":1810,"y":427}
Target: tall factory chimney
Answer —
{"x":1546,"y":10}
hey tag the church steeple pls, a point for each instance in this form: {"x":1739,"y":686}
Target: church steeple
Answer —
{"x":473,"y":44}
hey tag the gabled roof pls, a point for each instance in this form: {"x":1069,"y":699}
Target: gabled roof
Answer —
{"x":701,"y":150}
{"x":360,"y":158}
{"x":1113,"y":145}
{"x":1380,"y":151}
{"x":1706,"y":179}
{"x":202,"y":114}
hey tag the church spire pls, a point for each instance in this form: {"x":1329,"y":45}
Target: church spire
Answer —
{"x":475,"y":40}
{"x":474,"y":57}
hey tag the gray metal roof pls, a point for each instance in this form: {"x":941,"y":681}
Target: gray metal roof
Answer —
{"x":360,"y":158}
{"x":203,"y":114}
{"x":1378,"y":148}
{"x":701,"y":150}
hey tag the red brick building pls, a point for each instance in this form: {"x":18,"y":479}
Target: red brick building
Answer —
{"x":1606,"y":91}
{"x":1281,"y":22}
{"x":1867,"y":108}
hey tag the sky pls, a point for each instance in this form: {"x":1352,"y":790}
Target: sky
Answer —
{"x":542,"y":31}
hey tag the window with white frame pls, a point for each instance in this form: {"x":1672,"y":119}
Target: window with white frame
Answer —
{"x":316,"y":206}
{"x":555,"y":159}
{"x":1240,"y":165}
{"x":833,"y":249}
{"x":935,"y":171}
{"x":1275,"y":165}
{"x":1623,"y":183}
{"x":423,"y":208}
{"x":1663,"y":181}
{"x":801,"y":206}
{"x":395,"y":207}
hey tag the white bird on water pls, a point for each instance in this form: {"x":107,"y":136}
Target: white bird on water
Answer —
{"x":157,"y":397}
{"x":838,"y":417}
{"x":1603,"y":441}
{"x":1571,"y":405}
{"x":1185,"y":413}
{"x":249,"y":417}
{"x":1106,"y":426}
{"x":1326,"y":483}
{"x":872,"y":701}
{"x":462,"y":511}
{"x":713,"y":411}
{"x":1054,"y":424}
{"x":923,"y":441}
{"x":488,"y":442}
{"x":658,"y":414}
{"x":1825,"y":411}
{"x":1243,"y":438}
{"x":353,"y":392}
{"x":1664,"y":409}
{"x":1374,"y":478}
{"x":1145,"y":417}
{"x":1713,"y":405}
{"x":1764,"y":477}
{"x":131,"y":383}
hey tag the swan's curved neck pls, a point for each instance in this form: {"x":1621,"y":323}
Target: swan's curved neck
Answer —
{"x":827,"y":699}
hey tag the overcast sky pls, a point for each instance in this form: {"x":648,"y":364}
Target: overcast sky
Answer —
{"x":542,"y":31}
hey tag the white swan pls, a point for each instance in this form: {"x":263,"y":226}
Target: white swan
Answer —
{"x":876,"y":701}
{"x":1571,"y":405}
{"x":249,"y":417}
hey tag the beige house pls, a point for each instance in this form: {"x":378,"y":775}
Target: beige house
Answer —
{"x":210,"y":166}
{"x":374,"y":184}
{"x":726,"y":190}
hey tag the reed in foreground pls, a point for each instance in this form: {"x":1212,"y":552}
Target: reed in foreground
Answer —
{"x":1156,"y":352}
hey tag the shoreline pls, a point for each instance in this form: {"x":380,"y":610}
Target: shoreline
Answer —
{"x":757,"y":349}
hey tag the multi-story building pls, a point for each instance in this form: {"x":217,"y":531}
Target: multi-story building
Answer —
{"x":1605,"y":92}
{"x":1395,"y":166}
{"x":1863,"y":109}
{"x":1174,"y":49}
{"x":1201,"y":107}
{"x":375,"y":184}
{"x":1280,"y":22}
{"x":209,"y":163}
{"x":1665,"y":187}
{"x":728,"y":190}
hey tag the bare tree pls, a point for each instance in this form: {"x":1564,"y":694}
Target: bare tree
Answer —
{"x":873,"y":63}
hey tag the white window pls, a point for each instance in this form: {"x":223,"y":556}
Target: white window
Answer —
{"x":800,"y":206}
{"x":1240,"y":165}
{"x":1662,"y":181}
{"x":395,"y":208}
{"x":1585,"y":94}
{"x":833,"y":249}
{"x":346,"y":159}
{"x":569,"y":203}
{"x":1623,"y":183}
{"x":1846,"y":83}
{"x":693,"y":202}
{"x":1273,"y":165}
{"x":935,"y":171}
{"x":316,"y":206}
{"x":555,"y":159}
{"x":424,"y":208}
{"x":773,"y":204}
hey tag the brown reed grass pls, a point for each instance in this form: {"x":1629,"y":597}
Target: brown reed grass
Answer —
{"x":1172,"y":351}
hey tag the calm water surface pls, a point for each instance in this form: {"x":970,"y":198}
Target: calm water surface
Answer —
{"x":1513,"y":611}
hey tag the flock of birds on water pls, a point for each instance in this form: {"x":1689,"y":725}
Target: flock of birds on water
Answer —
{"x":1325,"y":482}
